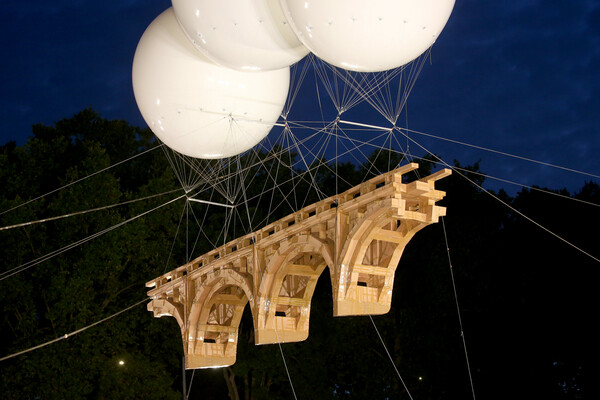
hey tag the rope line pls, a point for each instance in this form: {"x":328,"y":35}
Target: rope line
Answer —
{"x":287,"y":371}
{"x":462,"y":332}
{"x":81,"y":179}
{"x":390,"y":357}
{"x":503,"y":153}
{"x":39,"y":221}
{"x":32,"y":263}
{"x":68,"y":335}
{"x":510,"y":207}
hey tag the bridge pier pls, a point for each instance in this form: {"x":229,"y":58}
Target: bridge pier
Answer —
{"x":359,"y":235}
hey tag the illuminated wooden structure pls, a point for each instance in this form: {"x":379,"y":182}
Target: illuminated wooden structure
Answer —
{"x":359,"y":234}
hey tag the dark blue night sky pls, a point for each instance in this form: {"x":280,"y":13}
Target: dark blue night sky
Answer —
{"x":518,"y":77}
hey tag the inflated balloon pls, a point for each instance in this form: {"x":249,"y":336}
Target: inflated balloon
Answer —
{"x":367,"y":36}
{"x":195,"y":106}
{"x":248,"y":35}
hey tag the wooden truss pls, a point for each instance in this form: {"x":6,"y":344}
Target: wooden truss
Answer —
{"x":359,"y":234}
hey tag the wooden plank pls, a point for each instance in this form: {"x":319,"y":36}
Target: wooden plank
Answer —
{"x":291,"y":301}
{"x":302,"y":270}
{"x":217,"y":328}
{"x":436,"y":176}
{"x":231,"y":299}
{"x":371,"y":269}
{"x":389,"y":236}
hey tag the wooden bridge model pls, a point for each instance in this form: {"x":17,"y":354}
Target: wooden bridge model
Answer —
{"x":359,"y":234}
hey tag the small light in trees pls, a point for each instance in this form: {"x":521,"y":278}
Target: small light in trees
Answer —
{"x":121,"y":362}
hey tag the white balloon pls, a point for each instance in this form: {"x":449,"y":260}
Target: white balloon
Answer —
{"x":367,"y":36}
{"x":196,"y":107}
{"x":248,"y":35}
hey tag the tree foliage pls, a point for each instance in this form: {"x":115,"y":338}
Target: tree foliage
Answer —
{"x":524,"y":296}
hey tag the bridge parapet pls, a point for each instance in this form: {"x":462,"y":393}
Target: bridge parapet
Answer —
{"x":359,"y":234}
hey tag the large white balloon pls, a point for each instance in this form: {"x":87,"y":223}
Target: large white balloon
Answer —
{"x":247,"y":35}
{"x":367,"y":36}
{"x":196,"y":107}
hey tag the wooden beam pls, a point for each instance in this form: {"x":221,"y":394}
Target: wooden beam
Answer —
{"x":371,"y":270}
{"x":291,"y":301}
{"x":301,"y":270}
{"x":389,"y":236}
{"x":231,"y":299}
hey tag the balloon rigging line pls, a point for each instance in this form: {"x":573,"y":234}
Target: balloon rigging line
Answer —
{"x":545,"y":191}
{"x":85,"y":211}
{"x":172,"y":162}
{"x":360,"y":124}
{"x":187,"y":396}
{"x":81,"y":179}
{"x":288,"y":138}
{"x":318,"y":153}
{"x":217,"y":179}
{"x":245,"y":196}
{"x":331,"y":88}
{"x":501,"y":153}
{"x":52,"y":254}
{"x":316,"y":156}
{"x":68,"y":335}
{"x":390,"y":357}
{"x":326,"y":84}
{"x":357,"y":148}
{"x":474,"y":146}
{"x":285,"y":364}
{"x":210,"y":202}
{"x":352,"y":140}
{"x":454,"y":168}
{"x":278,"y":187}
{"x":201,"y":231}
{"x":205,"y":170}
{"x":244,"y":173}
{"x":374,"y":88}
{"x":228,"y":219}
{"x":350,"y":98}
{"x":312,"y":178}
{"x":201,"y":226}
{"x":173,"y":242}
{"x":509,"y":206}
{"x":201,"y":174}
{"x":411,"y":157}
{"x":462,"y":332}
{"x":294,"y":86}
{"x":299,"y":176}
{"x":379,"y":151}
{"x":378,"y":81}
{"x":274,"y":179}
{"x":372,"y":163}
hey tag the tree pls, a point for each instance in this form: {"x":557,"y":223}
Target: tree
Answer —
{"x":524,"y":296}
{"x":80,"y":286}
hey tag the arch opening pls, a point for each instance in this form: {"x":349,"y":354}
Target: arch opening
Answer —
{"x":285,"y":303}
{"x":214,"y":321}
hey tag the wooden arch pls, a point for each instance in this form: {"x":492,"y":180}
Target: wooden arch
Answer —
{"x":290,"y":278}
{"x":214,"y":319}
{"x":369,"y":259}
